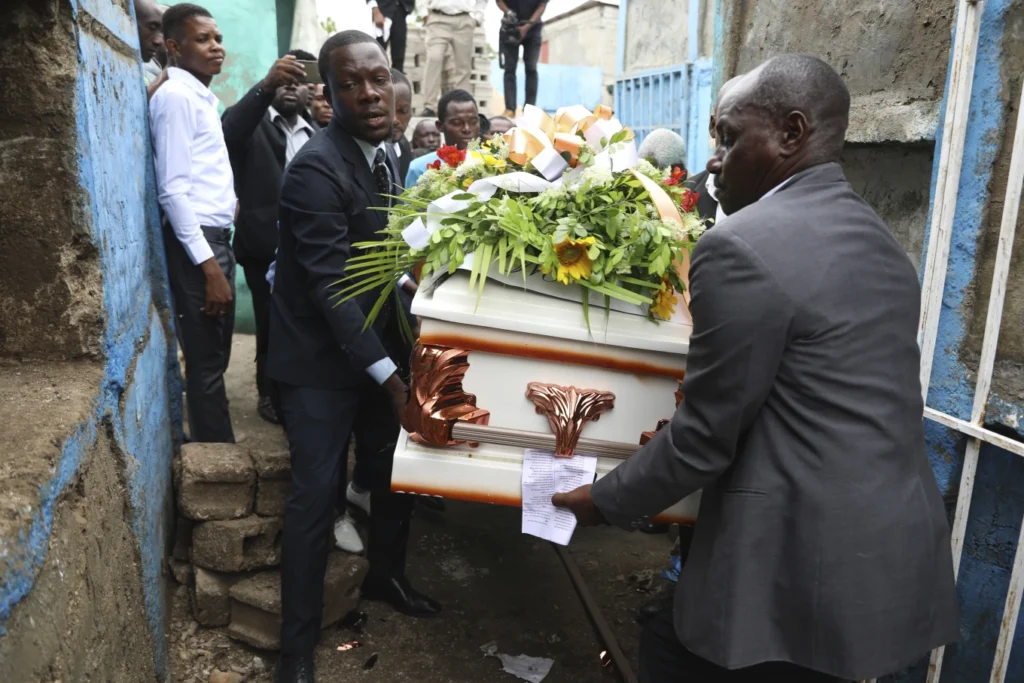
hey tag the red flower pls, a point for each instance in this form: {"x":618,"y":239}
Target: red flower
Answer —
{"x":689,"y":201}
{"x":678,"y":176}
{"x":451,"y":155}
{"x":435,"y":166}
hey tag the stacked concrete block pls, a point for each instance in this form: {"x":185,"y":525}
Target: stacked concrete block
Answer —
{"x":218,"y":481}
{"x":256,"y":601}
{"x":416,"y":65}
{"x":274,"y":483}
{"x":228,"y":541}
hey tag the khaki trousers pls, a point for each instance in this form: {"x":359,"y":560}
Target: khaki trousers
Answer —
{"x":449,"y":54}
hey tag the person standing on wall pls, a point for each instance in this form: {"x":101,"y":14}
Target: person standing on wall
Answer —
{"x":263,"y":131}
{"x":337,"y":378}
{"x":450,"y":25}
{"x":397,"y":11}
{"x":196,"y":190}
{"x":521,"y":26}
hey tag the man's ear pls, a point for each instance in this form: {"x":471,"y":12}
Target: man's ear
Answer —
{"x":172,"y":46}
{"x":796,"y":131}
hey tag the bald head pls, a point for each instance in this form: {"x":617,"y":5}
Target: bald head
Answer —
{"x":783,"y":117}
{"x":801,"y":83}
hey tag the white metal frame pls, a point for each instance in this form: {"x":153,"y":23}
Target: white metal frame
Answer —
{"x":947,"y":183}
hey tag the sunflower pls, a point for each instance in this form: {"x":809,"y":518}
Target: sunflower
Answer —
{"x":664,"y":301}
{"x":573,"y":259}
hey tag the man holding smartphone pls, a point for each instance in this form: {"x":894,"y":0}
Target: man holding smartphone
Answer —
{"x":263,"y":131}
{"x":521,"y":26}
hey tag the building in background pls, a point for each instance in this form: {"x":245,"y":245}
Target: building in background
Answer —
{"x":586,"y":35}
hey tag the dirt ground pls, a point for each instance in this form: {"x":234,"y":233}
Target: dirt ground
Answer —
{"x":496,"y":584}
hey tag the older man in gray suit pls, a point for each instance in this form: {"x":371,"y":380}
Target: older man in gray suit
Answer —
{"x":822,"y":545}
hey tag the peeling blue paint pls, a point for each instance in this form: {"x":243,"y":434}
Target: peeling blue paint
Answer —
{"x":997,"y":503}
{"x":140,"y":397}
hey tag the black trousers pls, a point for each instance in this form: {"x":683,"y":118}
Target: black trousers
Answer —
{"x":256,"y":278}
{"x":319,"y":423}
{"x":398,"y":38}
{"x":205,"y":340}
{"x":663,"y":659}
{"x":531,"y":54}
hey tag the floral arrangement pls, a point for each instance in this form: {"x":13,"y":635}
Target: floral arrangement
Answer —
{"x":566,"y":197}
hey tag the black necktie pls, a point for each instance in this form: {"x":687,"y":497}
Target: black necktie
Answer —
{"x":381,"y":175}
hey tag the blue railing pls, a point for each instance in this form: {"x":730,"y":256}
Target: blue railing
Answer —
{"x":677,"y":97}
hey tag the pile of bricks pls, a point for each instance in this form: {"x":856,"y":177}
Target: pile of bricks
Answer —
{"x":230,"y":511}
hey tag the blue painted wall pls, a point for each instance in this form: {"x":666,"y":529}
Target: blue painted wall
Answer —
{"x":559,"y":85}
{"x":998,"y":502}
{"x":140,"y":392}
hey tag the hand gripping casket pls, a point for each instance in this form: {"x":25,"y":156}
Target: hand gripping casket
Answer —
{"x":518,"y":368}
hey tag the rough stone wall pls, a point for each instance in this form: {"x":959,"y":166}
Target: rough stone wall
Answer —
{"x":656,"y":34}
{"x":50,"y":298}
{"x":893,"y":57}
{"x":85,"y":499}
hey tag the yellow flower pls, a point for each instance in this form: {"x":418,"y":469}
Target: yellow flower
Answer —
{"x":573,"y":259}
{"x":466,"y":183}
{"x":664,"y":301}
{"x":494,"y":162}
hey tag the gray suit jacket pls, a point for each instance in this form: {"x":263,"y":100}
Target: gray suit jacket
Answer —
{"x":822,"y":539}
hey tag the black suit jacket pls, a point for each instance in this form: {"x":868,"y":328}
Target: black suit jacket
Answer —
{"x":707,"y":207}
{"x":329,"y":201}
{"x":405,"y":159}
{"x":389,"y":7}
{"x":256,"y":148}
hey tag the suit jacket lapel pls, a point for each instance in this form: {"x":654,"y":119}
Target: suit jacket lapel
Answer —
{"x":352,"y":154}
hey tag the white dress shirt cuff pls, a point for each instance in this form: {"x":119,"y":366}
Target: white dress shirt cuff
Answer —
{"x":381,"y":370}
{"x":402,"y":280}
{"x":372,"y":4}
{"x":197,"y":247}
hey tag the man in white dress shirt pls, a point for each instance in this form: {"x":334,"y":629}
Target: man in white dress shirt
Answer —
{"x":449,"y":36}
{"x":196,"y":191}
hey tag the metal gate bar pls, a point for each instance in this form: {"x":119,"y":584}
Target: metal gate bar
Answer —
{"x":951,"y":153}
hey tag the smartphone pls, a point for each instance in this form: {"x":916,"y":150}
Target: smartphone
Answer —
{"x":312,"y":71}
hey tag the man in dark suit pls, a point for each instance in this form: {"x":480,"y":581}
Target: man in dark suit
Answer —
{"x":822,"y":549}
{"x":263,"y":131}
{"x":397,"y":11}
{"x":403,"y":114}
{"x":334,"y":378}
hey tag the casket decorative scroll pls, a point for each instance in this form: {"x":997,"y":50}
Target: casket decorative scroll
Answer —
{"x":437,"y":399}
{"x":568,"y":410}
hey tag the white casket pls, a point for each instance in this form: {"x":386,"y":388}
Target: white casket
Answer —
{"x":478,"y":359}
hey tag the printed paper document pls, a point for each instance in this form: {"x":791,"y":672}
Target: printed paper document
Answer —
{"x":544,"y":475}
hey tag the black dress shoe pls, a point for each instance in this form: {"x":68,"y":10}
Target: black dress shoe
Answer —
{"x":649,"y":610}
{"x":265,"y":409}
{"x":397,"y":592}
{"x":294,"y":669}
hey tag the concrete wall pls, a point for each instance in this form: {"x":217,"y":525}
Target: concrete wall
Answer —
{"x":587,"y":38}
{"x":90,"y":391}
{"x":657,"y":34}
{"x":895,"y":57}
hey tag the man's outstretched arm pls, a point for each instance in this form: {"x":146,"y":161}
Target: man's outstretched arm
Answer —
{"x":741,"y":322}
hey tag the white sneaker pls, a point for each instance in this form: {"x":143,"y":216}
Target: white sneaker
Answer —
{"x":360,"y":500}
{"x":345,"y":535}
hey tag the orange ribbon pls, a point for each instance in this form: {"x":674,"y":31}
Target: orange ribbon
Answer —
{"x":539,"y":130}
{"x":668,"y":211}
